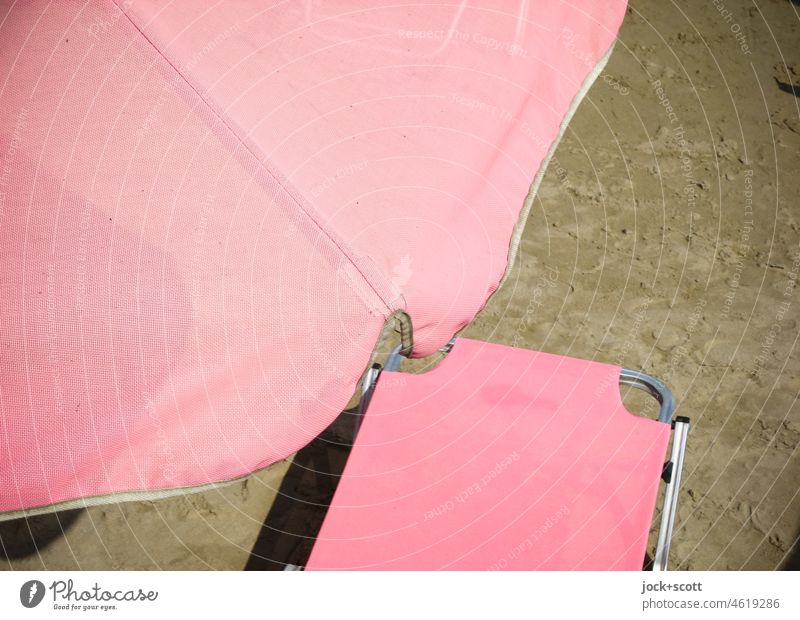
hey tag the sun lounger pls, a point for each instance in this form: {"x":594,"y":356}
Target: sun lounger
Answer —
{"x":506,"y":459}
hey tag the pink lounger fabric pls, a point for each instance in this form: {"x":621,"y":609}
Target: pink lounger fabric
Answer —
{"x":209,"y":209}
{"x":499,"y":458}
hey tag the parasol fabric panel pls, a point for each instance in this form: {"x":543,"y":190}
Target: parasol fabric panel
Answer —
{"x":414,"y":129}
{"x":208,"y":211}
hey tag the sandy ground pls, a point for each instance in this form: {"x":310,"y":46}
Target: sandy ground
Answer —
{"x":665,"y":240}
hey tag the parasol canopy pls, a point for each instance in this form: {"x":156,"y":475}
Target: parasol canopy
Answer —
{"x":208,"y":212}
